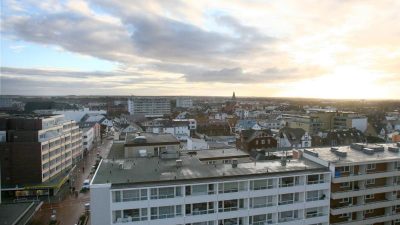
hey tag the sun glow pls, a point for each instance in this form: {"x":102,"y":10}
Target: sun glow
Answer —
{"x":345,"y":82}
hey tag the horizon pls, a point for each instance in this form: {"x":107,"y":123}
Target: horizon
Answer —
{"x":277,"y":49}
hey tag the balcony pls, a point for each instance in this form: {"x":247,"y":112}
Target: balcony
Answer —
{"x":365,"y":176}
{"x":364,"y":191}
{"x":371,"y":220}
{"x":364,"y":206}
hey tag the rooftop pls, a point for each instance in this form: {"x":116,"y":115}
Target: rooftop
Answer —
{"x":150,"y":170}
{"x":18,"y":213}
{"x":348,"y":154}
{"x":150,"y":139}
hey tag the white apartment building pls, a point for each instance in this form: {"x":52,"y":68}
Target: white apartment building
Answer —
{"x":184,"y":103}
{"x":365,"y":183}
{"x":202,"y":189}
{"x":88,"y":138}
{"x":149,"y":106}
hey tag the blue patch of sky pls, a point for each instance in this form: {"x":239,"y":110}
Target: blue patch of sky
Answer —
{"x":21,"y":54}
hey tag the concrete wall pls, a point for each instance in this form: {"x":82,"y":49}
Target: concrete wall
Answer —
{"x":100,"y":200}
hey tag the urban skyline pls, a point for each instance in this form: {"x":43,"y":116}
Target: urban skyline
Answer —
{"x":261,"y":49}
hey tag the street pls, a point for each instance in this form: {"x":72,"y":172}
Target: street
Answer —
{"x":69,"y":209}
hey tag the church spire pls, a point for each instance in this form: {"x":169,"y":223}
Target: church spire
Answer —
{"x":233,"y":96}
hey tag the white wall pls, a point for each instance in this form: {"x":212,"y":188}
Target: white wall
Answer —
{"x":196,"y":144}
{"x":100,"y":200}
{"x":359,"y":123}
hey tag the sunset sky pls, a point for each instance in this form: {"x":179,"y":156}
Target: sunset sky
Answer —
{"x":319,"y":49}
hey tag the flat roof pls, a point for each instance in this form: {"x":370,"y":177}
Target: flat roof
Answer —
{"x":18,"y":213}
{"x":151,"y":139}
{"x":357,"y":156}
{"x":153,"y":170}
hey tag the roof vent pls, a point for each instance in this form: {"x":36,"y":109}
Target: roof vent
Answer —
{"x":338,"y":152}
{"x":357,"y":146}
{"x":140,"y":139}
{"x":393,"y":149}
{"x":283,"y":161}
{"x":234,"y":163}
{"x":179,"y":163}
{"x":368,"y":151}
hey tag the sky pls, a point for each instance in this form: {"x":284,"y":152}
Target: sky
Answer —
{"x":309,"y":48}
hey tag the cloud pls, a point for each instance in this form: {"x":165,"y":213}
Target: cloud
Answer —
{"x":204,"y":42}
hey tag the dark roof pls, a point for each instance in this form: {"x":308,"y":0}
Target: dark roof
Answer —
{"x":293,"y":134}
{"x":151,"y":139}
{"x":250,"y":135}
{"x":18,"y":213}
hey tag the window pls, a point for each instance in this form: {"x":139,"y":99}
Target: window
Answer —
{"x":371,"y":196}
{"x":263,"y":142}
{"x":116,"y":196}
{"x":288,"y":216}
{"x":344,"y":169}
{"x":227,"y":161}
{"x":370,"y":181}
{"x":371,"y":166}
{"x":261,"y":184}
{"x":345,"y":200}
{"x":344,"y":215}
{"x":345,"y":185}
{"x":369,"y":211}
{"x":289,"y":198}
{"x":315,"y":179}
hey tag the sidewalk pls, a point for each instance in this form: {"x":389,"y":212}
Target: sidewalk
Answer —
{"x":67,"y":207}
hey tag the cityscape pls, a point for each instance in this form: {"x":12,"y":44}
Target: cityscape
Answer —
{"x":199,"y":112}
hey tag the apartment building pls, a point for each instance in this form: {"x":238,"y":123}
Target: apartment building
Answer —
{"x":365,"y":185}
{"x":311,"y":124}
{"x":37,"y":153}
{"x":210,"y":187}
{"x":179,"y":128}
{"x":184,"y":102}
{"x":149,"y":106}
{"x":346,"y":120}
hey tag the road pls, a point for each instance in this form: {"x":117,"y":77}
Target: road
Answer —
{"x":71,"y":207}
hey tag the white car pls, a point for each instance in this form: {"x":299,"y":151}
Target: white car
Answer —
{"x":86,"y":184}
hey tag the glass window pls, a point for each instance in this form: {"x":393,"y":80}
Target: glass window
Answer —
{"x":116,"y":196}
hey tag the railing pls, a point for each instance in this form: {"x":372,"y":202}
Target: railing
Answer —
{"x":130,"y":219}
{"x":262,"y":187}
{"x":230,"y":209}
{"x":201,"y":212}
{"x":263,"y":205}
{"x":262,"y":222}
{"x":316,"y":214}
{"x":163,"y":216}
{"x":315,"y":181}
{"x":286,"y":202}
{"x":163,"y":196}
{"x":287,"y":219}
{"x":134,"y":199}
{"x":287,"y":184}
{"x":363,"y":204}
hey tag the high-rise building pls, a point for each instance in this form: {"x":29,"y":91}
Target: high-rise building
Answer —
{"x":37,"y":153}
{"x":184,"y":102}
{"x":210,"y":187}
{"x":365,"y":183}
{"x":149,"y":106}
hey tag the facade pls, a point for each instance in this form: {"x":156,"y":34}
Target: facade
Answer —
{"x":184,"y":103}
{"x":212,"y":187}
{"x":347,"y":120}
{"x":151,"y":145}
{"x":88,"y":138}
{"x":179,"y":128}
{"x":196,"y":144}
{"x":365,"y":183}
{"x":253,"y":140}
{"x":293,"y":137}
{"x":311,"y":124}
{"x":46,"y":146}
{"x":149,"y":106}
